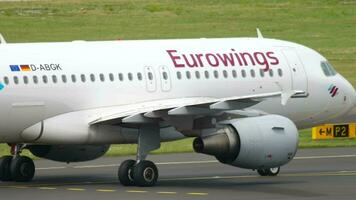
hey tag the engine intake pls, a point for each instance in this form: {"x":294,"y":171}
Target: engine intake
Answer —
{"x":252,"y":143}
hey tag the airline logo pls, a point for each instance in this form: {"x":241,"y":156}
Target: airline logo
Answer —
{"x":32,"y":67}
{"x":1,"y":86}
{"x":229,"y":58}
{"x":333,"y":90}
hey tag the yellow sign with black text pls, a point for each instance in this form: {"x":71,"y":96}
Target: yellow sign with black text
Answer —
{"x":330,"y":131}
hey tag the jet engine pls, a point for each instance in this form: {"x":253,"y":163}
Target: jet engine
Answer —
{"x":69,"y":153}
{"x":252,"y":143}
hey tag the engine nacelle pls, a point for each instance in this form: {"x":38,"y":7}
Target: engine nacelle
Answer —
{"x":252,"y":143}
{"x":69,"y":153}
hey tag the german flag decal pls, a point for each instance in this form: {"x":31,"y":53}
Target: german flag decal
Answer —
{"x":25,"y":68}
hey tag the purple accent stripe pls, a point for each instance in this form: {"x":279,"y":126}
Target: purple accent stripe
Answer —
{"x":332,"y":90}
{"x":335,"y":92}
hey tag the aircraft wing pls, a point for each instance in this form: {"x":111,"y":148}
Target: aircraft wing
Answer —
{"x":154,"y":111}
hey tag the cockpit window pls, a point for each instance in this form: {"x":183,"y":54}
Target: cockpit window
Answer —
{"x":328,"y":68}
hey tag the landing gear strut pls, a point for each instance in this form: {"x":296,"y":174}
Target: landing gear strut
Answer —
{"x":142,"y":172}
{"x":269,"y":172}
{"x":16,"y":168}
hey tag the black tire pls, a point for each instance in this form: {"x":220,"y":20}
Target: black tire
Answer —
{"x":262,"y":172}
{"x":22,"y":169}
{"x":145,"y":174}
{"x":125,"y":173}
{"x":269,"y":172}
{"x":5,"y":173}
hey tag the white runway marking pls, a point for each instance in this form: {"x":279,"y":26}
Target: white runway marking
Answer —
{"x":189,"y":162}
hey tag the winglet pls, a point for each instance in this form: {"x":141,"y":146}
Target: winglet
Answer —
{"x":259,"y":34}
{"x":2,"y":39}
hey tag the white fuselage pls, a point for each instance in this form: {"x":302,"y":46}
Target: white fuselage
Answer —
{"x":76,"y":76}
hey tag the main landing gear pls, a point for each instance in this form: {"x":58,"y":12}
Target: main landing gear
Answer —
{"x":16,"y":168}
{"x":142,"y":172}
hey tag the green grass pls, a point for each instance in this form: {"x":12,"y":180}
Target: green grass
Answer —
{"x":328,"y":26}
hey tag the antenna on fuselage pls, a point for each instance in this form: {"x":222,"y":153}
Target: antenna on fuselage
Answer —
{"x":2,"y":39}
{"x":259,"y":34}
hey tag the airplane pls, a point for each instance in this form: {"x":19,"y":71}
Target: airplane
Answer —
{"x":242,"y":99}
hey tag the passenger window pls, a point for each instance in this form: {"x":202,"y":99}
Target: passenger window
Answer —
{"x":280,"y":72}
{"x":234,"y":73}
{"x":129,"y":75}
{"x":25,"y":79}
{"x":139,"y":76}
{"x":188,"y":74}
{"x":328,"y":69}
{"x":225,"y":73}
{"x":197,"y":74}
{"x":6,"y":80}
{"x":262,"y":72}
{"x":243,"y":73}
{"x":16,"y":80}
{"x":82,"y":77}
{"x":206,"y":73}
{"x":270,"y":72}
{"x":35,"y":79}
{"x":54,"y":79}
{"x":216,"y":74}
{"x":44,"y":79}
{"x":165,"y":75}
{"x":92,"y":77}
{"x":102,"y":77}
{"x":121,"y":77}
{"x":150,"y":76}
{"x":64,"y":78}
{"x":252,"y":72}
{"x":111,"y":77}
{"x":179,"y":75}
{"x":74,"y":79}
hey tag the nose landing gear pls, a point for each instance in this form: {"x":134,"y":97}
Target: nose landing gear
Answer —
{"x":269,"y":172}
{"x":16,"y":168}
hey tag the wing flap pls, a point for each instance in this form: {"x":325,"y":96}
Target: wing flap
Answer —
{"x":151,"y":112}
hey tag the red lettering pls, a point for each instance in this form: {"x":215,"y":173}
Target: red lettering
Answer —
{"x":194,"y":62}
{"x":243,"y":56}
{"x":237,"y":57}
{"x":270,"y":55}
{"x":210,"y":55}
{"x":227,"y":59}
{"x":232,"y":58}
{"x":261,"y":60}
{"x":199,"y":59}
{"x":174,"y":58}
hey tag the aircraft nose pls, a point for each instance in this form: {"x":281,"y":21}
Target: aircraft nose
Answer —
{"x":350,"y":93}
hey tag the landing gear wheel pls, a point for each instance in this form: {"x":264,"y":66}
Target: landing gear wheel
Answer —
{"x":125,"y":173}
{"x":145,"y":173}
{"x":22,"y":169}
{"x":269,"y":172}
{"x":5,"y":173}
